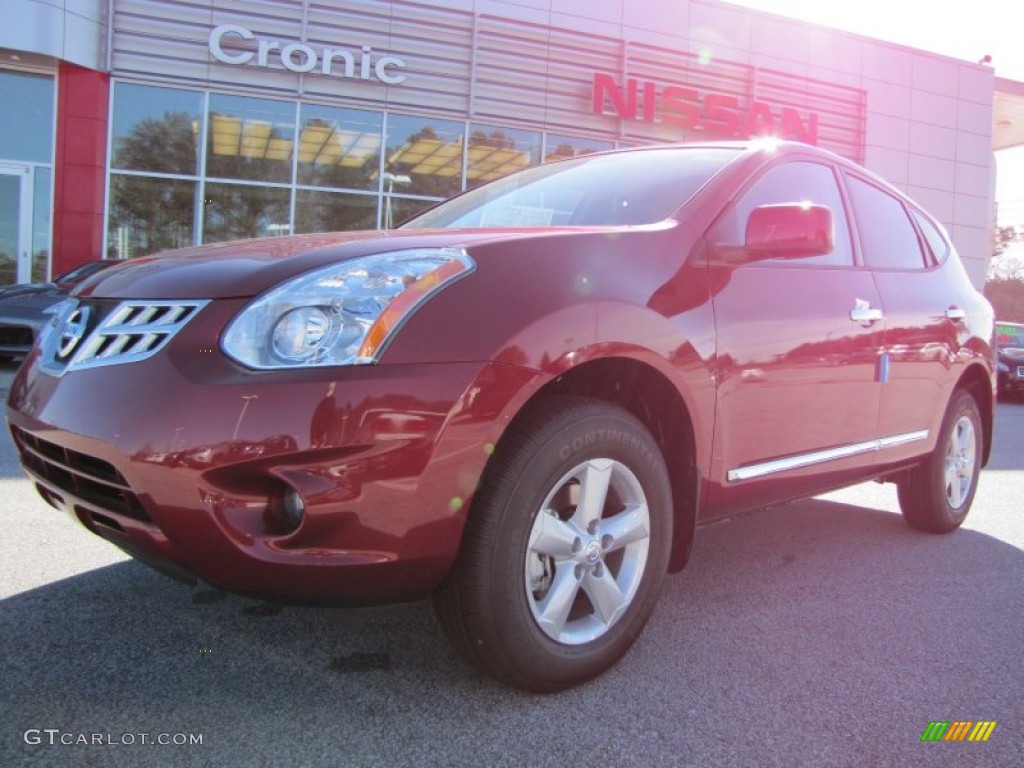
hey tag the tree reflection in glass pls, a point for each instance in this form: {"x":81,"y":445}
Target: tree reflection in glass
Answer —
{"x":149,"y":215}
{"x":156,"y":129}
{"x":565,"y":147}
{"x":334,"y":211}
{"x":238,"y":211}
{"x":250,"y":139}
{"x":496,"y":152}
{"x":428,"y":152}
{"x":339,"y":147}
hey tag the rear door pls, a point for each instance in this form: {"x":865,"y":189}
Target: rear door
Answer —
{"x":925,"y":322}
{"x":797,"y":355}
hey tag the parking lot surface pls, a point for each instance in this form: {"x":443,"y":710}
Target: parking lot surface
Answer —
{"x":820,"y":633}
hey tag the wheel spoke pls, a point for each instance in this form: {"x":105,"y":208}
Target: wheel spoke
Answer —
{"x":969,"y":445}
{"x":593,"y":492}
{"x":553,"y":610}
{"x":628,"y":526}
{"x":551,"y":536}
{"x":605,"y":595}
{"x":954,"y":441}
{"x":953,"y":493}
{"x":959,"y":474}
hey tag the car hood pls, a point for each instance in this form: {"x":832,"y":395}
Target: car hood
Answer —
{"x":27,"y":289}
{"x":245,"y":268}
{"x":31,"y":300}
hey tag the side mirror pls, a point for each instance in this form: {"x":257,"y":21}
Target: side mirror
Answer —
{"x":789,"y":230}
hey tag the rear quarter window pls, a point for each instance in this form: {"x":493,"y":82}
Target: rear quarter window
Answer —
{"x":937,"y":242}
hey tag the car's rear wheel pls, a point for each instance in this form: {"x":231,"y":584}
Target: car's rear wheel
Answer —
{"x":565,"y":548}
{"x":936,"y":495}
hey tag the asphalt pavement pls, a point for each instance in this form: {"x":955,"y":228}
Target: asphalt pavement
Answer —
{"x":820,"y":633}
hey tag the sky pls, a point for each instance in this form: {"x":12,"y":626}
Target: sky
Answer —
{"x":963,"y":29}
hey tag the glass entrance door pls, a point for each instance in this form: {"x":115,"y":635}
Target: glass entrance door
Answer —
{"x":15,"y":223}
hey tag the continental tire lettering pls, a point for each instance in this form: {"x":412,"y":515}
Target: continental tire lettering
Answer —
{"x":601,"y":436}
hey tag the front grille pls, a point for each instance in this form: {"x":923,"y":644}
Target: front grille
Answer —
{"x":15,"y":336}
{"x":90,"y":479}
{"x":92,"y":333}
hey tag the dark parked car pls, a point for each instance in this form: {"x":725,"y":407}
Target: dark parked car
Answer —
{"x":23,"y":307}
{"x":1010,"y":363}
{"x":526,"y":399}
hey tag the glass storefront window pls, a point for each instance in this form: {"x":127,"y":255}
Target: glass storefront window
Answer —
{"x":496,"y":152}
{"x":339,"y":147}
{"x":333,"y":211}
{"x":156,"y":129}
{"x":250,"y":139}
{"x":149,"y":215}
{"x":354,"y":168}
{"x":41,"y":224}
{"x":563,"y":147}
{"x":398,"y":209}
{"x":238,"y":211}
{"x":10,"y":227}
{"x":423,"y":156}
{"x":26,"y":123}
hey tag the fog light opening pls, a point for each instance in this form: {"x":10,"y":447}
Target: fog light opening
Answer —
{"x":293,"y":508}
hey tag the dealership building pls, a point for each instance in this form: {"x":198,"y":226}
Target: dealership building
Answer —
{"x":133,"y":126}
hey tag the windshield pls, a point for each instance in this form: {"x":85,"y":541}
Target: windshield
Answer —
{"x":1009,"y":335}
{"x":640,"y":187}
{"x":78,"y":274}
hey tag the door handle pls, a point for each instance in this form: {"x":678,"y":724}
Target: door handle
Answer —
{"x":955,"y":313}
{"x":863,"y":312}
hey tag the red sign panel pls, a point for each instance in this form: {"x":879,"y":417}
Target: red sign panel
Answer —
{"x":688,"y":108}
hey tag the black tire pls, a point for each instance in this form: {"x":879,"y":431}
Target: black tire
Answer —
{"x":499,"y":603}
{"x":936,"y":495}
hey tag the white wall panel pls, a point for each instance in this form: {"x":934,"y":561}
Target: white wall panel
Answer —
{"x":68,"y":30}
{"x":933,"y":140}
{"x":932,"y":173}
{"x":977,"y":84}
{"x":934,"y":74}
{"x":937,"y":202}
{"x":888,"y":98}
{"x":890,"y":164}
{"x":933,"y":108}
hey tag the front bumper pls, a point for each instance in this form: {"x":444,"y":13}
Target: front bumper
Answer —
{"x":1011,"y":380}
{"x":16,"y":338}
{"x":182,"y":459}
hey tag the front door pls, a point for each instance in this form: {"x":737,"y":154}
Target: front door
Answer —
{"x":797,"y":344}
{"x":15,"y":223}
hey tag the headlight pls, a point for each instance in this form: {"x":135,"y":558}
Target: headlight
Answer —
{"x":344,"y":314}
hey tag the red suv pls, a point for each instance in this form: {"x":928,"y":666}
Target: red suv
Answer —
{"x":526,"y":399}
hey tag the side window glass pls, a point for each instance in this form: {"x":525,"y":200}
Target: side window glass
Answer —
{"x":937,"y":242}
{"x":794,"y":182}
{"x":886,"y":234}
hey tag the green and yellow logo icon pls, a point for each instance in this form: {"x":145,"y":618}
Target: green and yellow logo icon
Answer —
{"x":958,"y":730}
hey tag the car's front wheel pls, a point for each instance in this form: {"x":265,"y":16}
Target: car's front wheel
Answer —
{"x":936,"y":495}
{"x":565,"y":548}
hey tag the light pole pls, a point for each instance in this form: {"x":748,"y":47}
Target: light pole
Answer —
{"x":391,"y":179}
